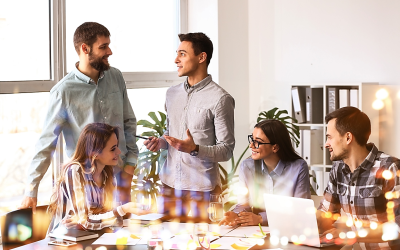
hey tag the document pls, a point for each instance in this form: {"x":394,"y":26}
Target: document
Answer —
{"x":299,"y":103}
{"x":184,"y":241}
{"x":116,"y":239}
{"x":249,"y":231}
{"x":236,"y":243}
{"x":333,"y":99}
{"x":354,"y":98}
{"x":344,"y":98}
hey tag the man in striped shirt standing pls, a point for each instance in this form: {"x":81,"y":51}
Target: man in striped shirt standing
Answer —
{"x":364,"y":182}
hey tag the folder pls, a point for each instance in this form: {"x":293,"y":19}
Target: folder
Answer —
{"x":298,"y":102}
{"x":354,"y":98}
{"x":319,"y":176}
{"x":333,"y":99}
{"x":314,"y":107}
{"x":344,"y":98}
{"x":299,"y":149}
{"x":313,"y":181}
{"x":313,"y":146}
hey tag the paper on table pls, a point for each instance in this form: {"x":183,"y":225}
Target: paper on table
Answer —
{"x":220,"y":230}
{"x":115,"y":239}
{"x":235,"y":243}
{"x":182,"y":241}
{"x":176,"y":228}
{"x":250,"y":231}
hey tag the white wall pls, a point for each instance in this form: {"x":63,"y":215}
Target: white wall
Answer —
{"x":312,"y":41}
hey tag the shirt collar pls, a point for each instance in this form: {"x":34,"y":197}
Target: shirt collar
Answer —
{"x":198,"y":86}
{"x":368,"y":161}
{"x":84,"y":77}
{"x":89,"y":177}
{"x":278,"y":169}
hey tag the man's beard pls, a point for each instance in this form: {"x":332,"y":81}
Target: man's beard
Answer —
{"x":341,"y":156}
{"x":97,"y":63}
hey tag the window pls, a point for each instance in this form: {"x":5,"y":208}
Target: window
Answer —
{"x":143,"y":33}
{"x":38,"y":51}
{"x":20,"y":127}
{"x":25,"y":40}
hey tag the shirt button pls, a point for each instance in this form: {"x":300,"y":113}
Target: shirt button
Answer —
{"x":101,"y":101}
{"x":353,"y":184}
{"x":105,"y":117}
{"x":351,"y":202}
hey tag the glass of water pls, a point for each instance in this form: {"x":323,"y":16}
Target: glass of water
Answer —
{"x":216,"y":210}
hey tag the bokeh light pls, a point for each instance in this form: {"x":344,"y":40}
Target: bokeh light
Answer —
{"x":302,"y":238}
{"x":260,"y":242}
{"x":349,"y":222}
{"x":362,"y":233}
{"x":389,"y":195}
{"x":377,"y":104}
{"x":382,"y":94}
{"x":373,"y":225}
{"x":351,"y":235}
{"x":329,"y":236}
{"x":358,"y":224}
{"x":387,"y":175}
{"x":284,"y":241}
{"x":274,"y":240}
{"x":342,"y":235}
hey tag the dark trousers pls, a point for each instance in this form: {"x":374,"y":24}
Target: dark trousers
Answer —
{"x":178,"y":203}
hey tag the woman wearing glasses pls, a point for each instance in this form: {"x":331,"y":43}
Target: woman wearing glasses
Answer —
{"x":274,"y":168}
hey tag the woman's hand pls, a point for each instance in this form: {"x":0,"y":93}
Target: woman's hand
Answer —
{"x":135,"y":208}
{"x":229,"y":219}
{"x":248,"y":219}
{"x":70,"y":222}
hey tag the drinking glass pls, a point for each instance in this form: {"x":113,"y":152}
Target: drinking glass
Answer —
{"x":215,"y":210}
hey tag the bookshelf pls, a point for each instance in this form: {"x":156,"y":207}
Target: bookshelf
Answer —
{"x":312,"y":135}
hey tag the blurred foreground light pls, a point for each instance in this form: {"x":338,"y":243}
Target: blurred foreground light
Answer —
{"x":342,"y":235}
{"x":101,"y":248}
{"x":328,"y":214}
{"x":329,"y":236}
{"x":387,"y":175}
{"x":377,"y":104}
{"x":274,"y":240}
{"x":240,"y":190}
{"x":382,"y":94}
{"x":390,"y":231}
{"x":390,"y":204}
{"x":284,"y":240}
{"x":351,"y":235}
{"x":336,"y":216}
{"x":260,"y":242}
{"x":358,"y":224}
{"x":373,"y":225}
{"x":398,"y":94}
{"x":362,"y":233}
{"x":192,"y":245}
{"x":349,"y":222}
{"x":302,"y":238}
{"x":389,"y":195}
{"x":294,"y":238}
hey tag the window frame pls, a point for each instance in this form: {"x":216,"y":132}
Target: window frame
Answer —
{"x":57,"y":61}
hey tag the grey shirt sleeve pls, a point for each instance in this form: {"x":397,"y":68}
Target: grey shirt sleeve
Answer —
{"x":224,"y":132}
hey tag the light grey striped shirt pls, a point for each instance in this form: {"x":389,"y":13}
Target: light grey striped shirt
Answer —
{"x":207,"y":110}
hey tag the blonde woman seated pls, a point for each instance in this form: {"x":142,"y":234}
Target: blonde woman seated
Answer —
{"x":85,"y":191}
{"x":274,"y":168}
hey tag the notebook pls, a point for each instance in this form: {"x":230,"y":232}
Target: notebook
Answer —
{"x":73,"y":234}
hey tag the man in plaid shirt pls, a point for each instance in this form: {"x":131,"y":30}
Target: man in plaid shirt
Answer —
{"x":364,"y":182}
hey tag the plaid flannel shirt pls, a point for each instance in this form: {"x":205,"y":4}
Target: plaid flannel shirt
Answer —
{"x":361,"y":194}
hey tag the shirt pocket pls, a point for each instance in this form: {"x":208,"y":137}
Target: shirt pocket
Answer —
{"x":199,"y":118}
{"x":115,"y":102}
{"x":370,"y":192}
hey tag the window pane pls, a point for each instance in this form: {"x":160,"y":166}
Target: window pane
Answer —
{"x":24,"y":40}
{"x":144,"y":101}
{"x":143,"y":33}
{"x":21,"y":121}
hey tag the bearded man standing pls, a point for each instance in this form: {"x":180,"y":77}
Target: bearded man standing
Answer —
{"x":92,"y":92}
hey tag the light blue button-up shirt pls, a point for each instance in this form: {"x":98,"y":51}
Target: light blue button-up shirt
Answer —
{"x":76,"y":101}
{"x":287,"y":179}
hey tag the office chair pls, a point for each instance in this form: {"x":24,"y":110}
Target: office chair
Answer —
{"x":22,"y":227}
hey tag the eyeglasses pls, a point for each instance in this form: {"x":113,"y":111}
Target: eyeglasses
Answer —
{"x":257,"y":143}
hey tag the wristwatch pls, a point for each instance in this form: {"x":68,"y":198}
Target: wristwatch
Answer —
{"x":195,"y":152}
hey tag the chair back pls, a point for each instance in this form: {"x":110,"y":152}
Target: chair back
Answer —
{"x":21,"y":226}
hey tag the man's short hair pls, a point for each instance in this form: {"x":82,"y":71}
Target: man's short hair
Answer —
{"x":87,"y":33}
{"x":200,"y":43}
{"x":353,"y":120}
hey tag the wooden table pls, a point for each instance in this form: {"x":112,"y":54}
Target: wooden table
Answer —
{"x":42,"y":244}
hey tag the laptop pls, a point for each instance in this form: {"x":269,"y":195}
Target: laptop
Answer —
{"x":293,"y":218}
